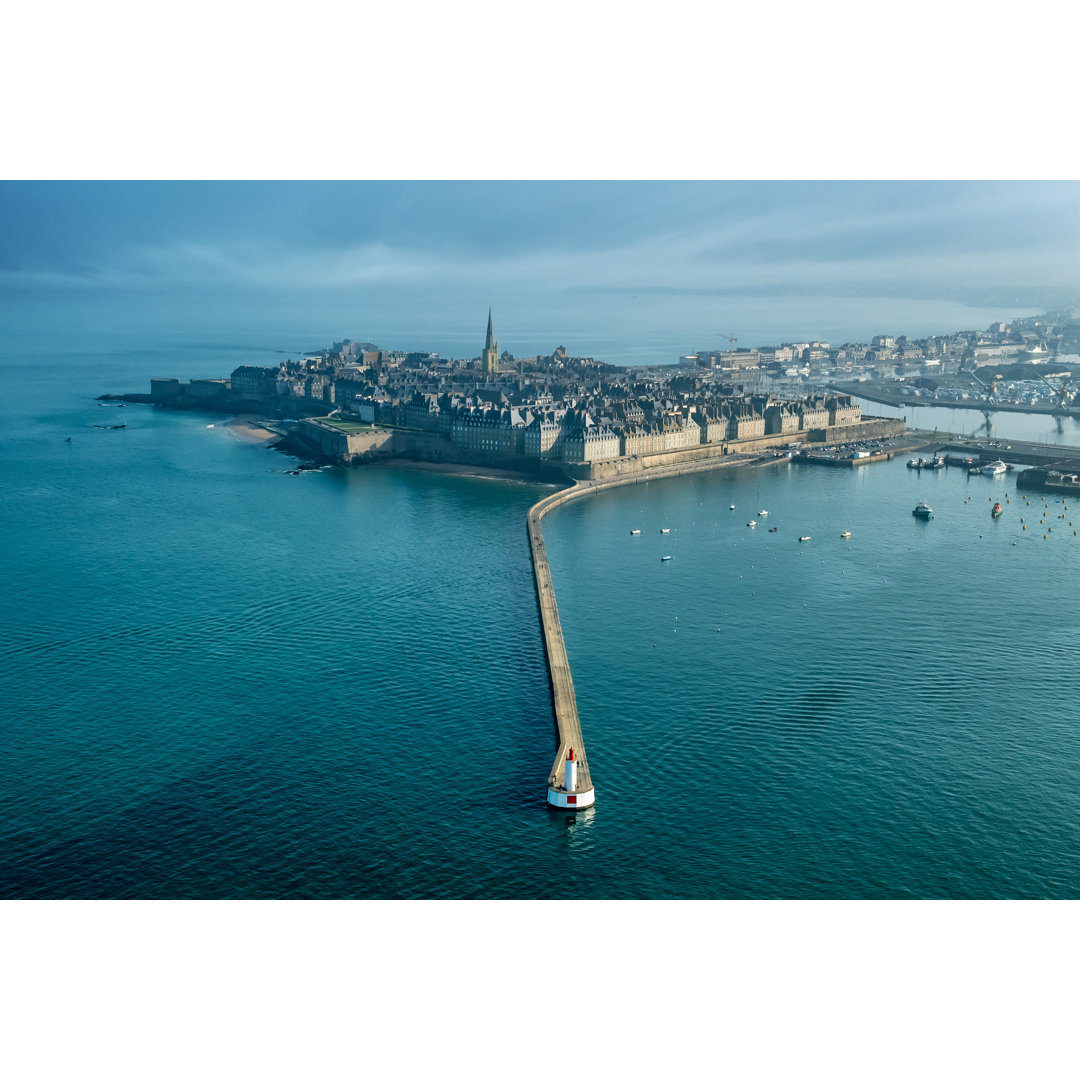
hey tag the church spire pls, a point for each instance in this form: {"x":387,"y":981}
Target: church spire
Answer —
{"x":489,"y":358}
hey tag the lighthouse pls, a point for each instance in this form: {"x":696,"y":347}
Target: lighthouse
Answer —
{"x":570,"y":775}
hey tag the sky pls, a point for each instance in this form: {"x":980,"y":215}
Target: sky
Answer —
{"x":416,"y":261}
{"x":391,"y":174}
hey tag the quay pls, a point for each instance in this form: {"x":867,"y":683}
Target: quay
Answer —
{"x":1046,"y":455}
{"x":843,"y":461}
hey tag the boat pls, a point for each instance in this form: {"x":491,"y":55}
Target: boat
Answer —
{"x":997,"y":511}
{"x":803,"y":539}
{"x":846,"y":534}
{"x":731,"y":507}
{"x":936,"y":462}
{"x":665,"y":530}
{"x":915,"y":463}
{"x":751,"y":524}
{"x":994,"y":468}
{"x":775,"y":528}
{"x":922,"y":511}
{"x":635,"y":532}
{"x":665,"y":558}
{"x":763,"y":513}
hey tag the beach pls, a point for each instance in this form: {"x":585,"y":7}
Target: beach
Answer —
{"x":250,"y":429}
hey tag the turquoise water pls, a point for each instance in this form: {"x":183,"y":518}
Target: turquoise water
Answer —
{"x":223,"y":681}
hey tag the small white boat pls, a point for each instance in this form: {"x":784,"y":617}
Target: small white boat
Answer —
{"x":665,"y":530}
{"x":731,"y":507}
{"x":665,"y":558}
{"x":751,"y":524}
{"x":803,"y":539}
{"x":763,"y":513}
{"x":845,"y":535}
{"x":994,"y":468}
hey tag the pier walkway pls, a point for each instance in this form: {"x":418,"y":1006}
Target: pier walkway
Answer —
{"x":562,"y":685}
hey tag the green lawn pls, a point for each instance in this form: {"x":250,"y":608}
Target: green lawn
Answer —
{"x":348,"y":427}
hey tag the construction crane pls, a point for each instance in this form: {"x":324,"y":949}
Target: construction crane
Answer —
{"x":731,"y":338}
{"x":1060,"y":399}
{"x":989,"y":389}
{"x":988,"y":413}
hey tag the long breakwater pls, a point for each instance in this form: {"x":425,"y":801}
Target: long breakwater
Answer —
{"x":582,"y":794}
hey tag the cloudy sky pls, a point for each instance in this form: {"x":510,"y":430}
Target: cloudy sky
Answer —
{"x":479,"y":93}
{"x":922,"y":239}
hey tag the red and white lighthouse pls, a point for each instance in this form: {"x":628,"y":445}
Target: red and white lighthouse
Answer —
{"x":570,"y":775}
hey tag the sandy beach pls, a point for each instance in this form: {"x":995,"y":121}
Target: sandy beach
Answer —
{"x":248,"y":429}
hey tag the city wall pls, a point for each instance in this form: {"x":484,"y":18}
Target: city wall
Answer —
{"x":381,"y":443}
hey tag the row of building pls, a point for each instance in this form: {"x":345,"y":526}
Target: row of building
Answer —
{"x":888,"y":356}
{"x":556,"y":408}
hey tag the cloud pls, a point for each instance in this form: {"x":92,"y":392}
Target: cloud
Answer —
{"x":687,"y":238}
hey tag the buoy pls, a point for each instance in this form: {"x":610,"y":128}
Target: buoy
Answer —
{"x":570,"y":776}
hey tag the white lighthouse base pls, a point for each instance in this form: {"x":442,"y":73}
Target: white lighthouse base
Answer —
{"x":570,"y":800}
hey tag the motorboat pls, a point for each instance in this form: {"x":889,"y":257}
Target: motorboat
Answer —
{"x":751,"y":524}
{"x":803,"y":539}
{"x":846,"y":534}
{"x":635,"y":532}
{"x":922,"y":511}
{"x":997,"y":511}
{"x":665,"y":558}
{"x":994,"y":468}
{"x":665,"y":530}
{"x":763,"y":513}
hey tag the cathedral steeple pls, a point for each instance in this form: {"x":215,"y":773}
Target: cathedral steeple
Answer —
{"x":489,"y":358}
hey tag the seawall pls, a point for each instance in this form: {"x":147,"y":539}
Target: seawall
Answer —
{"x":562,"y":684}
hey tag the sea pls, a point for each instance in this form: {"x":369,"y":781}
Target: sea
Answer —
{"x":222,"y":680}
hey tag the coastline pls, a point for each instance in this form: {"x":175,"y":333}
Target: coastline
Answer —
{"x":247,"y":428}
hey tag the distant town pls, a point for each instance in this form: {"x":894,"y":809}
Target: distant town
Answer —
{"x":356,"y":402}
